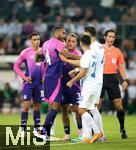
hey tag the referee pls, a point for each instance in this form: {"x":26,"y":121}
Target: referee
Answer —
{"x":114,"y":61}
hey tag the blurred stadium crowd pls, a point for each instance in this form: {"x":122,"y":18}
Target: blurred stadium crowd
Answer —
{"x":18,"y":18}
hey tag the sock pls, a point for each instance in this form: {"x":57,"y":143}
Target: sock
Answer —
{"x":53,"y":128}
{"x":36,"y":117}
{"x":24,"y":118}
{"x":51,"y":115}
{"x":79,"y":125}
{"x":90,"y":122}
{"x":77,"y":121}
{"x":97,"y":118}
{"x":67,"y":129}
{"x":121,"y":118}
{"x":87,"y":131}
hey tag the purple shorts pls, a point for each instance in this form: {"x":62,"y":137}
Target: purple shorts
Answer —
{"x":32,"y":91}
{"x":53,"y":90}
{"x":71,"y":95}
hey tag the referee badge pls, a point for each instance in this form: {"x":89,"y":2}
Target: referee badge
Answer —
{"x":114,"y":60}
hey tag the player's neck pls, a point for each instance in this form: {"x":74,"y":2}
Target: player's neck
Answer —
{"x":86,"y":48}
{"x":35,"y":48}
{"x":106,"y":45}
{"x":58,"y":38}
{"x":93,"y":39}
{"x":71,"y":50}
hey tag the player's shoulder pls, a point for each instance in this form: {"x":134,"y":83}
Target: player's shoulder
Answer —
{"x":100,"y":45}
{"x":118,"y":50}
{"x":87,"y":53}
{"x":55,"y":40}
{"x":86,"y":56}
{"x":26,"y":50}
{"x":77,"y":52}
{"x":45,"y":43}
{"x":97,"y":45}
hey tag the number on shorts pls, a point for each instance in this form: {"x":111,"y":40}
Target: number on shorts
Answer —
{"x":79,"y":96}
{"x":42,"y":93}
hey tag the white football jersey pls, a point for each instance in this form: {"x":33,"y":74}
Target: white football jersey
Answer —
{"x":99,"y":50}
{"x":93,"y":59}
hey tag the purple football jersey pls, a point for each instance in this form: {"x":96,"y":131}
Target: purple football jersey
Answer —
{"x":51,"y":49}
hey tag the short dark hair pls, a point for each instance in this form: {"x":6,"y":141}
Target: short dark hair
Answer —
{"x":86,"y":40}
{"x":57,"y":28}
{"x":33,"y":34}
{"x":91,"y":30}
{"x":107,"y":31}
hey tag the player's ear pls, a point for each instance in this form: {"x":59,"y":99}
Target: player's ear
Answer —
{"x":104,"y":37}
{"x":80,"y":44}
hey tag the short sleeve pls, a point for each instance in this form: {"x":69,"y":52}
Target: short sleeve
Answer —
{"x":85,"y":60}
{"x":120,"y":59}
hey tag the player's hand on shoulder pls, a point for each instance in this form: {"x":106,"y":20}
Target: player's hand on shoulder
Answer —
{"x":72,"y":73}
{"x":70,"y":84}
{"x":28,"y":79}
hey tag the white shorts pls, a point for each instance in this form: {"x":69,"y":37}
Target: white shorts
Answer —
{"x":90,"y":97}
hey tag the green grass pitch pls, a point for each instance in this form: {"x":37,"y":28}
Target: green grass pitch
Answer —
{"x":111,"y":128}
